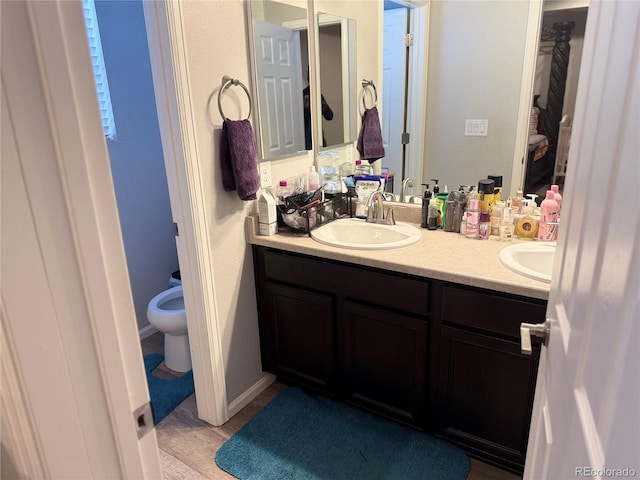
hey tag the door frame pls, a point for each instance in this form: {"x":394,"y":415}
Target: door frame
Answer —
{"x":176,"y":118}
{"x":75,"y":388}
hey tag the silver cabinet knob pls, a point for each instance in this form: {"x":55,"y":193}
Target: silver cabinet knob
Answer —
{"x":540,"y":330}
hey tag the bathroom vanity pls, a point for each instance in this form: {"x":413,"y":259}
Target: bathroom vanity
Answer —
{"x":416,"y":334}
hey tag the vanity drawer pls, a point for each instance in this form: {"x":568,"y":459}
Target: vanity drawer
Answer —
{"x":372,"y":286}
{"x":489,"y":311}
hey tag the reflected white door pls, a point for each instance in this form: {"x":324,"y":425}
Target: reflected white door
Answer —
{"x":585,"y":421}
{"x":394,"y":70}
{"x":279,"y":72}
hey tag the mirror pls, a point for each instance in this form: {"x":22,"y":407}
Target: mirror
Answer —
{"x":336,"y":41}
{"x":280,"y":57}
{"x":475,"y":72}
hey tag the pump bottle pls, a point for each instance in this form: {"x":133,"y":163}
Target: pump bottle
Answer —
{"x":425,"y":206}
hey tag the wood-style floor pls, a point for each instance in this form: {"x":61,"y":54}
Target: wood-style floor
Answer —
{"x":187,"y":445}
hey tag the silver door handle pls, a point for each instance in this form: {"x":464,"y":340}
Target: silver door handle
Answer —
{"x":537,"y":329}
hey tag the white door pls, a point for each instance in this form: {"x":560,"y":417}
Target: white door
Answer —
{"x":279,"y":73}
{"x":585,"y":421}
{"x":74,"y":400}
{"x":394,"y":69}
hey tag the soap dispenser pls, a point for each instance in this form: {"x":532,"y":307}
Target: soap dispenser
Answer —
{"x":425,"y":206}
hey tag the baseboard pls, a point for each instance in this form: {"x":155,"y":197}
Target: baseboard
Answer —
{"x":147,"y":331}
{"x":252,"y":392}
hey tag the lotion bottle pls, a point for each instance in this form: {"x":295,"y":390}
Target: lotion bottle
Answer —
{"x":313,"y":178}
{"x":557,"y":197}
{"x":433,"y":215}
{"x":548,"y":214}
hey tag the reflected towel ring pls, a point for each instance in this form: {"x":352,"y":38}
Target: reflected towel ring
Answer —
{"x":365,"y":85}
{"x":226,"y":83}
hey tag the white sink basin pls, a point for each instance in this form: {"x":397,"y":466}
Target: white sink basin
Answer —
{"x":533,"y":260}
{"x":358,"y":234}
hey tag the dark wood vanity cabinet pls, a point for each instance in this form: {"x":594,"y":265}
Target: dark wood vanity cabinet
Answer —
{"x":485,"y":385}
{"x":439,"y":356}
{"x":357,"y":334}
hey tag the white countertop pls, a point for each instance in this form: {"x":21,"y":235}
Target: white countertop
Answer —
{"x":440,"y":255}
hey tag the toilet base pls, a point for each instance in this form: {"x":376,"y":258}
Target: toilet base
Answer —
{"x":177,"y":355}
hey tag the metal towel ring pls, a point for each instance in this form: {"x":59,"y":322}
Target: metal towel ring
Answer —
{"x":226,"y":83}
{"x":365,"y":84}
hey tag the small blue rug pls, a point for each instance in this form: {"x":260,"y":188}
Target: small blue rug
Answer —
{"x":166,"y":395}
{"x":304,"y":437}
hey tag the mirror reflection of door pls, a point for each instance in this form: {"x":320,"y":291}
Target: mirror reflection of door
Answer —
{"x":555,"y":88}
{"x":279,"y":83}
{"x":332,"y":100}
{"x":394,"y":78}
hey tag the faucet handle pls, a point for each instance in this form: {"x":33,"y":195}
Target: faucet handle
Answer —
{"x":389,"y":216}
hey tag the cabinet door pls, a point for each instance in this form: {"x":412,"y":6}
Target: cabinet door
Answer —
{"x":297,"y":336}
{"x":485,"y":395}
{"x":383,"y":357}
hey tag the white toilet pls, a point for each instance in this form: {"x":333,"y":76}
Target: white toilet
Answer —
{"x":166,"y":313}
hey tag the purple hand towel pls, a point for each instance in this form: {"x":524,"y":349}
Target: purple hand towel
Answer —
{"x":238,"y":159}
{"x":370,"y":138}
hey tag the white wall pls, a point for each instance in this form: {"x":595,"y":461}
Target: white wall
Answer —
{"x":217,"y":44}
{"x":476,"y":51}
{"x":137,"y":162}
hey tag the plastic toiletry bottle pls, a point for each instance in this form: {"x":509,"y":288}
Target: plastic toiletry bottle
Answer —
{"x":473,"y":218}
{"x":557,"y":197}
{"x":506,"y":225}
{"x":486,"y":189}
{"x":496,"y":216}
{"x":433,"y":215}
{"x":548,"y":214}
{"x":282,"y":192}
{"x":363,"y":167}
{"x":497,"y":189}
{"x":425,"y":206}
{"x":485,"y":226}
{"x":518,"y":201}
{"x":313,"y":178}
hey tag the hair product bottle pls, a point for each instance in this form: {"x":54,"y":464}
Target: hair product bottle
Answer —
{"x":548,"y":215}
{"x":557,"y":197}
{"x":425,"y":206}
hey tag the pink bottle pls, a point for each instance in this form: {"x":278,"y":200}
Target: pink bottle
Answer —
{"x":548,"y":214}
{"x":557,"y":197}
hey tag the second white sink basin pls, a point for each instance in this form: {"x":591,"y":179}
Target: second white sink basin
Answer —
{"x":358,"y":234}
{"x":533,"y":260}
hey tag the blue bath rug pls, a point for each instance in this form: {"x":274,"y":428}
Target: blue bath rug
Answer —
{"x":165,"y":395}
{"x":300,"y":436}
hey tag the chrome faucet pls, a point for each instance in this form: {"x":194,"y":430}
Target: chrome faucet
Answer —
{"x":407,"y":182}
{"x":375,"y":210}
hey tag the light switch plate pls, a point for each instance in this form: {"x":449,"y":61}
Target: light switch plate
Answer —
{"x":265,"y":174}
{"x":476,"y":128}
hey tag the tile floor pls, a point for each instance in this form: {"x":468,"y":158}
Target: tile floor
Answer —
{"x":187,"y":445}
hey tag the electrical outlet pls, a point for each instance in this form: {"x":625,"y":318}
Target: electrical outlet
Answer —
{"x":265,"y":174}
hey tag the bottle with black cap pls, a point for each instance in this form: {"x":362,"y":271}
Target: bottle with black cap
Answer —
{"x":497,"y":189}
{"x":425,"y":206}
{"x":485,"y":194}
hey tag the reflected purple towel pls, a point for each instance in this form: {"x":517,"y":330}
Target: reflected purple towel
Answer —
{"x":238,"y":159}
{"x":370,"y":139}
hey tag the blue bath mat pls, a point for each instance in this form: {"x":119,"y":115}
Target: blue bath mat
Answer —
{"x":166,"y":395}
{"x":300,"y":436}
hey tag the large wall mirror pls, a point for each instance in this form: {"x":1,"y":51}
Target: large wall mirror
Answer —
{"x":481,"y":55}
{"x":280,"y":54}
{"x":336,"y":55}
